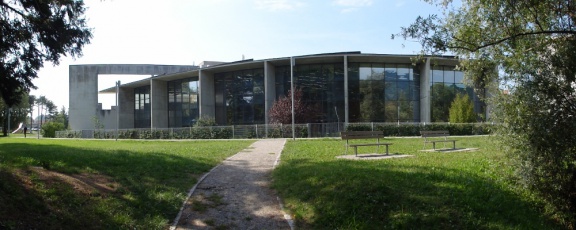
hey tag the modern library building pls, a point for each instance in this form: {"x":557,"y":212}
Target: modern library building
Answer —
{"x":347,"y":87}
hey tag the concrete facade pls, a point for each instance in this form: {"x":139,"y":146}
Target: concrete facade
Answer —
{"x":83,"y":94}
{"x":84,"y":81}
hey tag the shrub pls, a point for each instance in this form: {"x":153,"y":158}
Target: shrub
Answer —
{"x":49,"y":129}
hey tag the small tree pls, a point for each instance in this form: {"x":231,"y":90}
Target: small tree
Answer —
{"x":49,"y":129}
{"x":281,"y":111}
{"x":462,"y":110}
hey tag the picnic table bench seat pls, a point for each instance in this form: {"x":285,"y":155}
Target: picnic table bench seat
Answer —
{"x":350,"y":135}
{"x":442,"y":134}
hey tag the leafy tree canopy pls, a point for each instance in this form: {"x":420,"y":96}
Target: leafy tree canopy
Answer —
{"x":530,"y":47}
{"x":33,"y":32}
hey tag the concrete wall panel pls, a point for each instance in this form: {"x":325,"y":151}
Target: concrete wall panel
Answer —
{"x":159,"y":104}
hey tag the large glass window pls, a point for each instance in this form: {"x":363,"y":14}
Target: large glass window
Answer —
{"x":183,"y":101}
{"x":142,"y":107}
{"x":383,"y":92}
{"x":239,"y":97}
{"x":446,"y":83}
{"x":322,"y":86}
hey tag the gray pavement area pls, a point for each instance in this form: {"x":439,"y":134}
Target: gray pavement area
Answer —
{"x":237,"y":194}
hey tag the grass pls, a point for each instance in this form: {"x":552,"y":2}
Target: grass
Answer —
{"x":133,"y":185}
{"x":433,"y":190}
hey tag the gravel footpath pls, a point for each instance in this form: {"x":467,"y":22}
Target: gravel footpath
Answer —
{"x":237,"y":194}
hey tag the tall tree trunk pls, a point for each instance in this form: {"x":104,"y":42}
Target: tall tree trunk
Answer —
{"x":5,"y":123}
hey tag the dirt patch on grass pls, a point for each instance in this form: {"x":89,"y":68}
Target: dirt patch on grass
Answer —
{"x":84,"y":183}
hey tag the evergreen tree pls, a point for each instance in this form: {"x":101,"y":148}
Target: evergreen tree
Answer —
{"x":462,"y":110}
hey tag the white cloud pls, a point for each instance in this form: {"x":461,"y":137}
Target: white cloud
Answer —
{"x":276,"y":5}
{"x":351,"y":5}
{"x":400,"y":3}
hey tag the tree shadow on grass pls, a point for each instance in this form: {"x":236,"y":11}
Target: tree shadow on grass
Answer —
{"x":151,"y":188}
{"x":364,"y":195}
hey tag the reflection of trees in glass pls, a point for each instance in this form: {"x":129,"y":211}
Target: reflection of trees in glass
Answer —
{"x":372,"y":104}
{"x":406,"y":106}
{"x":442,"y":97}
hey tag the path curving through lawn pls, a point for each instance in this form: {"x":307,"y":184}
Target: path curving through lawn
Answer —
{"x":236,"y":194}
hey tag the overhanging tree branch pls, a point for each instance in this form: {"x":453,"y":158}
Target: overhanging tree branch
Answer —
{"x":508,"y":38}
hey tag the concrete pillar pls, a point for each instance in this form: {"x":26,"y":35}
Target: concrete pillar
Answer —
{"x":158,"y":104}
{"x":425,"y":100}
{"x":346,"y":105}
{"x":126,"y":102}
{"x":206,"y":91}
{"x":269,"y":88}
{"x":83,"y":96}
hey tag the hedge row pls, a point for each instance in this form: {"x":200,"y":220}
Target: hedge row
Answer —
{"x":277,"y":131}
{"x":414,"y":129}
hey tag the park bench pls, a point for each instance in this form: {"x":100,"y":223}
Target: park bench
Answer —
{"x":350,"y":135}
{"x":443,"y":134}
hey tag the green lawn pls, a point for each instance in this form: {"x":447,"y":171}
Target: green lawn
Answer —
{"x":432,"y":190}
{"x":133,"y":185}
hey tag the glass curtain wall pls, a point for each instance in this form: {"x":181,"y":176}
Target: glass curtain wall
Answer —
{"x":142,"y":107}
{"x":322,"y":86}
{"x":382,"y":92}
{"x":446,"y":83}
{"x":183,"y":102}
{"x":239,"y":97}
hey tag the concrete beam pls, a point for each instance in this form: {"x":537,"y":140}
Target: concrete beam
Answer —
{"x":269,"y":89}
{"x":425,"y":115}
{"x":206,"y":92}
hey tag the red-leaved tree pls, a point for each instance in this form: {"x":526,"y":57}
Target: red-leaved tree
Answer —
{"x":281,"y":111}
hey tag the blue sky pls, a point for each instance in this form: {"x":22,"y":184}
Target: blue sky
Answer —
{"x":186,"y":32}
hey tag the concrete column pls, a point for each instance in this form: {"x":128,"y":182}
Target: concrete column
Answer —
{"x":126,"y":102}
{"x":346,"y":105}
{"x":269,"y":88}
{"x":425,"y":114}
{"x":158,"y":104}
{"x":83,"y":96}
{"x":206,"y":91}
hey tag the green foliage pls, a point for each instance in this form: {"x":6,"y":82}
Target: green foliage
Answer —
{"x":35,"y":32}
{"x":152,"y":174}
{"x":432,"y":190}
{"x":205,"y":121}
{"x":462,"y":110}
{"x":414,"y":129}
{"x":18,"y":114}
{"x":530,"y":48}
{"x":49,"y":129}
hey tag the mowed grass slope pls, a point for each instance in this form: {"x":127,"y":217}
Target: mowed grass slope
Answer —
{"x":432,"y":190}
{"x":98,"y":184}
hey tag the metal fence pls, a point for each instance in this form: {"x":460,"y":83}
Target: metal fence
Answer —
{"x":309,"y":130}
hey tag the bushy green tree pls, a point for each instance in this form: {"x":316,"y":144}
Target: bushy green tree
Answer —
{"x":530,"y":47}
{"x":205,"y":121}
{"x":462,"y":110}
{"x":49,"y":129}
